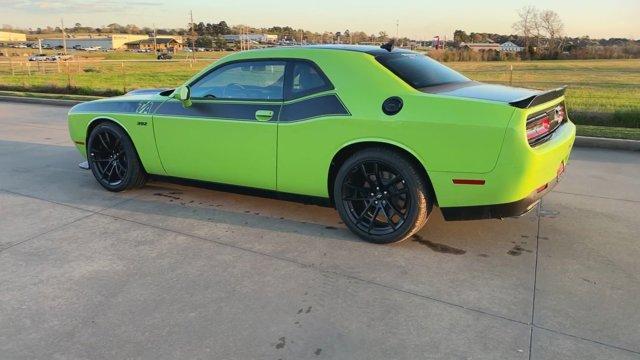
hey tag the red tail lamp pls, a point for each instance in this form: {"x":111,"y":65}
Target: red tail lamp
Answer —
{"x":539,"y":128}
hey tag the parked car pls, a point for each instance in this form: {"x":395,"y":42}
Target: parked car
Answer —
{"x":383,"y":134}
{"x":59,"y":57}
{"x":165,"y":56}
{"x":39,"y":57}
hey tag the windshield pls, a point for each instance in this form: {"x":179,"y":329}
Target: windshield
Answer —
{"x":420,"y":71}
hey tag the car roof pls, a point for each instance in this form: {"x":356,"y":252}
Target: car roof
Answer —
{"x":369,"y":49}
{"x":365,"y":49}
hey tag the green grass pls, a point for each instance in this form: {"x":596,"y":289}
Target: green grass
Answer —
{"x":608,"y":132}
{"x":601,"y":92}
{"x":97,"y":77}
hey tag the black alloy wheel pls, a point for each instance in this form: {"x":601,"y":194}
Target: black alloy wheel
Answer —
{"x":381,"y":197}
{"x":376,"y":197}
{"x":113,"y":159}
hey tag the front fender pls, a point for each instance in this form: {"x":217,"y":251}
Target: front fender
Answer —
{"x":138,"y":126}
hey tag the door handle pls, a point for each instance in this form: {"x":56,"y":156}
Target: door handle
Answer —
{"x":264,"y":115}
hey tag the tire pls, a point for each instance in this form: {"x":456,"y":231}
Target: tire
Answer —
{"x":379,"y":185}
{"x":113,"y":159}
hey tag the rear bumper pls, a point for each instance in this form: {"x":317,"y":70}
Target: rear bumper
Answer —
{"x":498,"y":211}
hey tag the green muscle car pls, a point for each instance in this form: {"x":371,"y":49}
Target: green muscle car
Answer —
{"x":384,"y":134}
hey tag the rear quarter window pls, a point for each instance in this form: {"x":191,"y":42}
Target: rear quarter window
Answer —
{"x":420,"y":71}
{"x":306,"y":79}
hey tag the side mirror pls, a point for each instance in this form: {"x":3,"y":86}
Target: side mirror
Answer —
{"x":183,"y":93}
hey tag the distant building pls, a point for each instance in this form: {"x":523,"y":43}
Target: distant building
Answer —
{"x":510,"y":47}
{"x":111,"y":41}
{"x":261,"y":38}
{"x":481,"y":46}
{"x":178,"y":38}
{"x":165,"y":44}
{"x":6,"y":36}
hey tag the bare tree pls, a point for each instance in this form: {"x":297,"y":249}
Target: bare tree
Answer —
{"x":551,"y":24}
{"x":527,"y":24}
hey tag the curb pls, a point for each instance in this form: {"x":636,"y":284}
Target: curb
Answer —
{"x":42,"y":101}
{"x":581,"y":141}
{"x":605,"y":143}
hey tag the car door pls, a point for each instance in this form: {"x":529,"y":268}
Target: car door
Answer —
{"x":229,"y":133}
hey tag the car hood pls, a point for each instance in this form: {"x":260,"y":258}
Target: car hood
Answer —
{"x":481,"y":91}
{"x":142,"y":101}
{"x":147,"y":91}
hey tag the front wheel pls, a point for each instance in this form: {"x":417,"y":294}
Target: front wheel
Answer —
{"x":381,"y":196}
{"x":113,"y":159}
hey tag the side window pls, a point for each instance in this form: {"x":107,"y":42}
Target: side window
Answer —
{"x":247,"y":80}
{"x":307,"y":79}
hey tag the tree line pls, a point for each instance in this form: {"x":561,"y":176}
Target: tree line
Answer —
{"x":541,"y":35}
{"x":539,"y":32}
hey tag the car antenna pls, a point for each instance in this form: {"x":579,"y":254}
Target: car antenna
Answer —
{"x":389,"y":45}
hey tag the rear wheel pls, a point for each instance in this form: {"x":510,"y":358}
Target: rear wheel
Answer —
{"x":113,"y":159}
{"x":381,"y":196}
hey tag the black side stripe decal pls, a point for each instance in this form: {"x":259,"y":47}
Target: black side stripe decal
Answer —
{"x":218,"y":111}
{"x":121,"y":107}
{"x":326,"y":105}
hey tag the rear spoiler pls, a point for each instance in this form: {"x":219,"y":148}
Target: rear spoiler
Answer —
{"x":541,"y":98}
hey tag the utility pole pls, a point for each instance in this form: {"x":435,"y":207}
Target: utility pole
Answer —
{"x":193,"y":36}
{"x":155,"y":42}
{"x":64,"y":37}
{"x":39,"y":46}
{"x":397,"y":28}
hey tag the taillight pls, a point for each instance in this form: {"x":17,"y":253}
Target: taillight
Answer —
{"x":538,"y":128}
{"x":541,"y":125}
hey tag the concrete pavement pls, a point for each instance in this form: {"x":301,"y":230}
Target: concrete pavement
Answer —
{"x":171,"y":271}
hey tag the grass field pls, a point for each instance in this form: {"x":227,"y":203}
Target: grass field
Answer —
{"x":601,"y":92}
{"x":609,"y":132}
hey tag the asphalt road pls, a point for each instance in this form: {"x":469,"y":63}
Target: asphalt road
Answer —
{"x":177,"y":272}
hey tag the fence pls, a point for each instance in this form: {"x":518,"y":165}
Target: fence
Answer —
{"x":96,"y":77}
{"x":111,"y":77}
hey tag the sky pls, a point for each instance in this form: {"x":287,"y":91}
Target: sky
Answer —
{"x":418,"y":19}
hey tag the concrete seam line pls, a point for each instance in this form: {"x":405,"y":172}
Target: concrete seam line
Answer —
{"x":46,"y":200}
{"x":535,"y":277}
{"x":307,"y":266}
{"x":585,"y":339}
{"x":99,"y":211}
{"x":2,"y":250}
